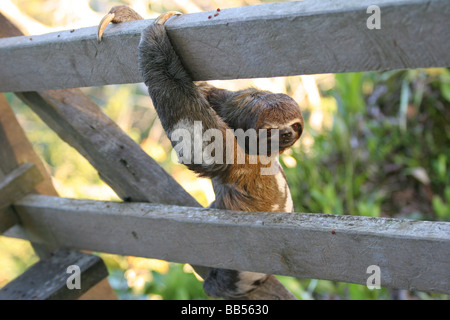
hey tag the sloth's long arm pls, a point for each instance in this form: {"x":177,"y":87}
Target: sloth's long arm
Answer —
{"x":178,"y":101}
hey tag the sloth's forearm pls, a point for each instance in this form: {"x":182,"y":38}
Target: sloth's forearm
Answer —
{"x":177,"y":100}
{"x":175,"y":96}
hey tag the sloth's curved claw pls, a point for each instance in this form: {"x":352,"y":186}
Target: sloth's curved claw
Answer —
{"x":165,"y":16}
{"x":102,"y":25}
{"x":117,"y":14}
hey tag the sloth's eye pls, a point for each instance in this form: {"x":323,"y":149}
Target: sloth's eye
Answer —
{"x":297,"y":127}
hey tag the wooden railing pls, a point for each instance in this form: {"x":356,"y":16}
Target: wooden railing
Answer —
{"x":257,"y":41}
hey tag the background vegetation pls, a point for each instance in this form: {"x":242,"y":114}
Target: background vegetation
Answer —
{"x":376,"y":144}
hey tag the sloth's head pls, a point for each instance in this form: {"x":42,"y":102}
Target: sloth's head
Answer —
{"x":275,"y":117}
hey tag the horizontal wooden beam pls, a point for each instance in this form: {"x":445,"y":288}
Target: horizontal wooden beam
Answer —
{"x":48,"y":278}
{"x":277,"y":39}
{"x":413,"y":255}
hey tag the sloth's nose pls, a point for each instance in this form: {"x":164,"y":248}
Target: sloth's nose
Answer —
{"x":286,"y":133}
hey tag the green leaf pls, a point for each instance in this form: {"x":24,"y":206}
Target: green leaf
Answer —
{"x":441,"y":209}
{"x":445,"y":90}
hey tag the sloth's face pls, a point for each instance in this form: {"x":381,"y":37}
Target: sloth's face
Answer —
{"x":274,"y":137}
{"x":282,"y":122}
{"x":275,"y":117}
{"x":283,"y":135}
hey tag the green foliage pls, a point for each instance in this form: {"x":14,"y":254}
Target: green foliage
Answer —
{"x":441,"y":207}
{"x":389,"y":144}
{"x":176,"y":284}
{"x":386,"y":154}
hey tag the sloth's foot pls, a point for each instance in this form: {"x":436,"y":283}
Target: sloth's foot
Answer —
{"x":120,"y":14}
{"x":165,"y":16}
{"x":117,"y":14}
{"x":232,"y":284}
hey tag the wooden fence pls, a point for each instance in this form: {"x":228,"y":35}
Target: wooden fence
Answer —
{"x":161,"y":220}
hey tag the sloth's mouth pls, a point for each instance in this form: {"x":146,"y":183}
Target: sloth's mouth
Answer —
{"x":279,"y":144}
{"x":286,"y":143}
{"x":269,"y":145}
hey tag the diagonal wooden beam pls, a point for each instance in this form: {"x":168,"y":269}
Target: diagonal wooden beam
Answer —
{"x":48,"y":279}
{"x":120,"y":161}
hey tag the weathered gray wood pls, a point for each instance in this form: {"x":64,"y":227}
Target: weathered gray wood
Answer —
{"x":47,"y":279}
{"x":14,"y":186}
{"x":7,"y":219}
{"x":7,"y":216}
{"x":277,"y":39}
{"x":413,"y":255}
{"x":15,"y":148}
{"x":18,"y":183}
{"x":121,"y":162}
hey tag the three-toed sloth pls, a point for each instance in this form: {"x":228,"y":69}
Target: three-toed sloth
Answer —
{"x":238,"y":185}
